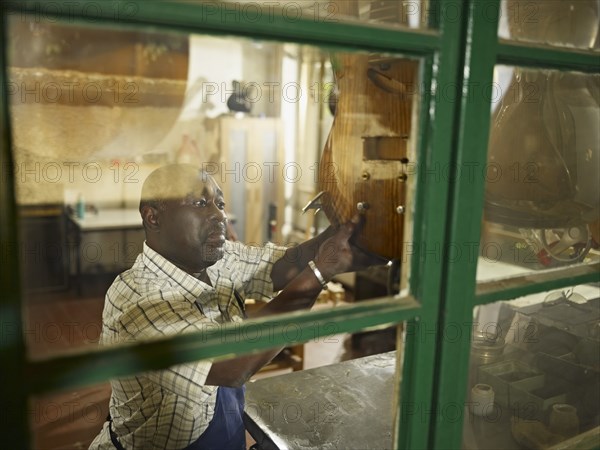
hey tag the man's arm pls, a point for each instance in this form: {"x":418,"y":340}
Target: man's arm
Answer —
{"x":296,"y":258}
{"x":299,"y":294}
{"x":334,"y":255}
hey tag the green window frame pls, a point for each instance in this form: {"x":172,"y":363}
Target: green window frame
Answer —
{"x":459,"y":50}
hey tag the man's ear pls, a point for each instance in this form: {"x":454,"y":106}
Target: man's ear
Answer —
{"x":150,"y":216}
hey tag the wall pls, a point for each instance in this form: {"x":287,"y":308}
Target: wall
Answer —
{"x":104,"y":149}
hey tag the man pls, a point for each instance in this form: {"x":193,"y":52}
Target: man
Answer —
{"x":188,"y":276}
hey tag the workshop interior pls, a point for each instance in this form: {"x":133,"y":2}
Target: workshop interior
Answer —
{"x":301,"y":137}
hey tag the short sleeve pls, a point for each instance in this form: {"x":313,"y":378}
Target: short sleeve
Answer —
{"x":160,"y":317}
{"x":253,"y":268}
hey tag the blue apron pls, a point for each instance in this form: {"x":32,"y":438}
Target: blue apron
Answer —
{"x":226,"y":429}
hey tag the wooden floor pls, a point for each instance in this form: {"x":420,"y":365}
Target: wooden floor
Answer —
{"x":57,"y":322}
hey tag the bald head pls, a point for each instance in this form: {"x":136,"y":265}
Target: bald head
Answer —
{"x":172,"y":182}
{"x":183,"y":212}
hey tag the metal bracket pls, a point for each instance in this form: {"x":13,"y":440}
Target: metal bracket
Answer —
{"x":314,"y":203}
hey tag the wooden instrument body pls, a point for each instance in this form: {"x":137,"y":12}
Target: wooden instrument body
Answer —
{"x":363,"y":166}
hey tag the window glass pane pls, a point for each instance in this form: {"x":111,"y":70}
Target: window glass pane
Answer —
{"x":542,"y":188}
{"x":572,"y":23}
{"x":315,"y":405}
{"x":413,"y":13}
{"x":318,"y":407}
{"x":380,"y":13}
{"x":95,"y":112}
{"x":534,"y":372}
{"x":68,"y":419}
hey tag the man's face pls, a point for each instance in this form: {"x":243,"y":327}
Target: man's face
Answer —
{"x":192,"y":228}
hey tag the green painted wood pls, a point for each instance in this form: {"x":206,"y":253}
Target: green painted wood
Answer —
{"x":424,"y":131}
{"x":540,"y":56}
{"x":258,"y":21}
{"x":14,"y":419}
{"x":521,"y":285}
{"x":87,"y":367}
{"x":407,"y":431}
{"x":434,"y":18}
{"x":420,"y":350}
{"x":464,"y":219}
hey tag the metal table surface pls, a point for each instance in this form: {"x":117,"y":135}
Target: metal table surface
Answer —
{"x":347,"y":406}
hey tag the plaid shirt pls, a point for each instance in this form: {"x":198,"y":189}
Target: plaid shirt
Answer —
{"x":169,"y":409}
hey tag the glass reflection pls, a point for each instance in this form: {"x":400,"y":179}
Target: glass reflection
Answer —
{"x":542,"y":190}
{"x":97,"y":114}
{"x":68,"y":419}
{"x":565,"y":23}
{"x":381,"y":13}
{"x":413,"y":14}
{"x":534,"y":372}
